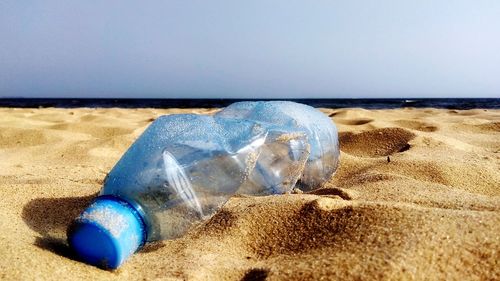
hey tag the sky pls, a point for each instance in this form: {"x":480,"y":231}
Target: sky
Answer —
{"x":250,"y":49}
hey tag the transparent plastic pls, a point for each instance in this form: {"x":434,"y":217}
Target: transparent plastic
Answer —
{"x":184,"y":167}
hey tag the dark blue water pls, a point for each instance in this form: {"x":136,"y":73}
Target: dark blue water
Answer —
{"x":491,"y":103}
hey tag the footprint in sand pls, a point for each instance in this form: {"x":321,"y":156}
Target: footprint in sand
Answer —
{"x":376,"y":143}
{"x":417,"y":125}
{"x":488,"y":127}
{"x":101,"y":132}
{"x":360,"y":121}
{"x":15,"y":138}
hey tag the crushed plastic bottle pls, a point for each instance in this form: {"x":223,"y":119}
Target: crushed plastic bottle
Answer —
{"x":185,"y":166}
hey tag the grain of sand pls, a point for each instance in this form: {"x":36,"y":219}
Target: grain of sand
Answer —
{"x":431,"y":212}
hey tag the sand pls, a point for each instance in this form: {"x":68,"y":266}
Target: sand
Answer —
{"x":417,"y":196}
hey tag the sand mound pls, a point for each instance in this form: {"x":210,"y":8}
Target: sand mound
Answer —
{"x":416,"y":197}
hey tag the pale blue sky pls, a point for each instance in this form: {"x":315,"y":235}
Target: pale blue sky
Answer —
{"x":250,"y":49}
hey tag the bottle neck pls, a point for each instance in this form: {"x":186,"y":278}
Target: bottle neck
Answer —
{"x":136,"y":209}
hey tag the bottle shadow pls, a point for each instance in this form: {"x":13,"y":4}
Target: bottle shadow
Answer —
{"x":50,"y":217}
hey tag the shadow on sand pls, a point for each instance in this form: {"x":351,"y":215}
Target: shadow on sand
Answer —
{"x":50,"y":217}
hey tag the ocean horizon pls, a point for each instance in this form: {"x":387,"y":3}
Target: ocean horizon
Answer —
{"x":390,"y":103}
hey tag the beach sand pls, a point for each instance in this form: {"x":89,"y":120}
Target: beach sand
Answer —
{"x":417,"y":196}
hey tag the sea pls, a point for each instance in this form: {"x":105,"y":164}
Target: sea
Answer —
{"x":447,"y":103}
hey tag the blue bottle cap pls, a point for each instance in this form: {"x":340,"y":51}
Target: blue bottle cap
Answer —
{"x":107,"y":232}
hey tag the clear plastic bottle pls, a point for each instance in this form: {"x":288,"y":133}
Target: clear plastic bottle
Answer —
{"x":184,"y":167}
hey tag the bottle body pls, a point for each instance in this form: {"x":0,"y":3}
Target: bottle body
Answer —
{"x":184,"y":167}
